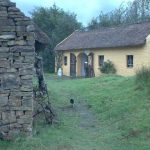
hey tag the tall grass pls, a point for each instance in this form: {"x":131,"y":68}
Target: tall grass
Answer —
{"x":143,"y":77}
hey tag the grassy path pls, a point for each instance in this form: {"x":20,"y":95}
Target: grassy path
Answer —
{"x":86,"y":120}
{"x":110,"y":113}
{"x":82,"y":125}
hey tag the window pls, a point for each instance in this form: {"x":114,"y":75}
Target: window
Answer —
{"x":129,"y":61}
{"x":65,"y":60}
{"x":101,"y":60}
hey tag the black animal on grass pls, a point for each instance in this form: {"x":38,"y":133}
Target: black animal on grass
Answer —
{"x":72,"y":102}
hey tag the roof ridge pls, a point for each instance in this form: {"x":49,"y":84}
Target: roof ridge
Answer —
{"x":123,"y":36}
{"x":66,"y":38}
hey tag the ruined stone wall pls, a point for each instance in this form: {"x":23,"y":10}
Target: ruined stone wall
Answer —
{"x":16,"y":70}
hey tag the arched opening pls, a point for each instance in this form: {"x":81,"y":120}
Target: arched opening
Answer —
{"x":82,"y":64}
{"x":72,"y":65}
{"x":91,"y":65}
{"x":91,"y":59}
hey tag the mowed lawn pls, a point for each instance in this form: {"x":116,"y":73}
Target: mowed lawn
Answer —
{"x":111,"y":113}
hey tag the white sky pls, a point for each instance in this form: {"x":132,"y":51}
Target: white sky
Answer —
{"x":85,"y":9}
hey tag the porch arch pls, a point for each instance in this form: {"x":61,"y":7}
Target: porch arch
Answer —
{"x":72,"y":65}
{"x":82,"y":62}
{"x":91,"y":72}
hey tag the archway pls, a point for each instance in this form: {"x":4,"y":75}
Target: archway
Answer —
{"x":91,"y":65}
{"x":72,"y":65}
{"x":82,"y":64}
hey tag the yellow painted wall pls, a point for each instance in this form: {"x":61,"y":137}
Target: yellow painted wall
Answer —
{"x":66,"y":69}
{"x":118,"y":56}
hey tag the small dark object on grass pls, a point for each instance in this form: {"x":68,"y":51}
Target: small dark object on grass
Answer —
{"x":72,"y":102}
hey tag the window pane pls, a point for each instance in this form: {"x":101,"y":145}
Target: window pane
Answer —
{"x":129,"y":60}
{"x":101,"y":60}
{"x":65,"y":60}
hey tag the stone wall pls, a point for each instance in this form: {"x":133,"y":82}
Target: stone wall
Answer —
{"x":16,"y":70}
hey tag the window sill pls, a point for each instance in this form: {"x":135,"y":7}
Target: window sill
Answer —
{"x":130,"y":67}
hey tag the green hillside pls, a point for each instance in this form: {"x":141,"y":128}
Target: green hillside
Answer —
{"x":110,"y":113}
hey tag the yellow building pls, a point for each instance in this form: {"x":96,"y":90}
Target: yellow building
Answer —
{"x":128,"y":48}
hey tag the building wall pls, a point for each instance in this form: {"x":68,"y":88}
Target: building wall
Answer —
{"x":66,"y":68}
{"x":118,"y":56}
{"x":16,"y":71}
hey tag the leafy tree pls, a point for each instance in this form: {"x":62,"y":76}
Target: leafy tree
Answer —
{"x":93,"y":24}
{"x":58,"y":24}
{"x":135,"y":12}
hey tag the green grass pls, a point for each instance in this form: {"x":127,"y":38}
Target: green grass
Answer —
{"x":120,"y":107}
{"x":143,"y":77}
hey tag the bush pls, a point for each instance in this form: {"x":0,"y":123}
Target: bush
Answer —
{"x":143,"y":76}
{"x":108,"y":68}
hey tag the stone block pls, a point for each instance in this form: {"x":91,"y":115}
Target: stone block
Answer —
{"x":4,"y":55}
{"x":4,"y":64}
{"x":7,"y":3}
{"x":22,"y":49}
{"x":3,"y":8}
{"x":7,"y":37}
{"x":20,"y":108}
{"x":4,"y":49}
{"x":13,"y":9}
{"x":15,"y":126}
{"x":26,"y":119}
{"x":21,"y":29}
{"x":10,"y":81}
{"x":26,"y":88}
{"x":27,"y":77}
{"x":8,"y":117}
{"x":3,"y":13}
{"x":4,"y":128}
{"x":29,"y":59}
{"x":27,"y":82}
{"x":25,"y":71}
{"x":11,"y":70}
{"x":20,"y":42}
{"x":30,"y":28}
{"x":2,"y":70}
{"x":19,"y":113}
{"x":3,"y":99}
{"x":15,"y":100}
{"x":27,"y":101}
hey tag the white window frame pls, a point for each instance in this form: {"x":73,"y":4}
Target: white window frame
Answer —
{"x":130,"y":61}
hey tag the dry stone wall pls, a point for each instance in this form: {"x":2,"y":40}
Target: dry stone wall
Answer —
{"x":16,"y":70}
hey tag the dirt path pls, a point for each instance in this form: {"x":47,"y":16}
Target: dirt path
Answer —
{"x":87,"y":120}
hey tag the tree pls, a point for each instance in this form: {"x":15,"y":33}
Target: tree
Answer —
{"x":136,"y":12}
{"x":93,"y":24}
{"x":58,"y":24}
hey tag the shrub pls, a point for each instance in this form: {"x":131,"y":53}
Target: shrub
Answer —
{"x":143,"y":76}
{"x":108,"y":68}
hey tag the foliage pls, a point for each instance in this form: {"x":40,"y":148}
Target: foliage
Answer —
{"x":135,"y":12}
{"x":108,"y":68}
{"x":143,"y":77}
{"x":58,"y":24}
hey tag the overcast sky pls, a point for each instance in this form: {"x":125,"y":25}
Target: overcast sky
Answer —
{"x":85,"y":9}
